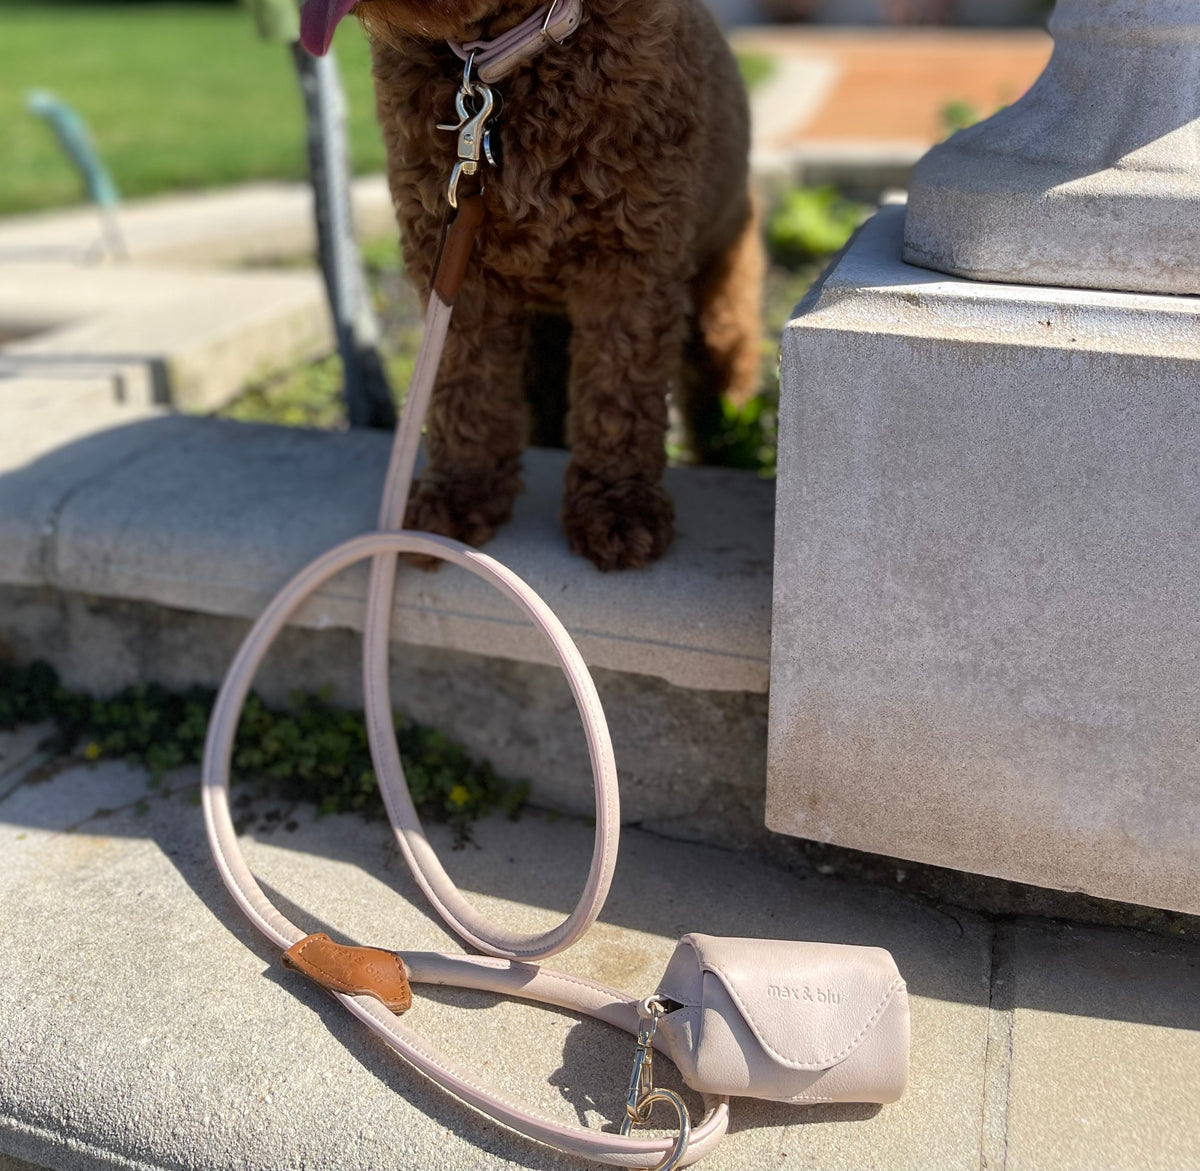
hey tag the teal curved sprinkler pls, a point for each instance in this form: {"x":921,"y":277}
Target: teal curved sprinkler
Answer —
{"x":72,"y":134}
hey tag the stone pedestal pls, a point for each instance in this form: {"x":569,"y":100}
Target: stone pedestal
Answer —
{"x":986,"y":638}
{"x":1092,"y":179}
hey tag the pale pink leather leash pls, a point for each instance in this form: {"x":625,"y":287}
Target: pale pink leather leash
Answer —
{"x":505,"y":973}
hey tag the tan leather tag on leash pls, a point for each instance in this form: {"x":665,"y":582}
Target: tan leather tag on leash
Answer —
{"x":456,"y":248}
{"x":356,"y":971}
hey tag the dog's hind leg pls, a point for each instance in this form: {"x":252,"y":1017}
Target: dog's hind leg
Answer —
{"x":725,"y":354}
{"x":477,"y":422}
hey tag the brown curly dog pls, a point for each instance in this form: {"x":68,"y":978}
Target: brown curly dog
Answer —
{"x":621,"y":202}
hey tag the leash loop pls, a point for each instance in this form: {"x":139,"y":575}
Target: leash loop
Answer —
{"x":362,"y":1000}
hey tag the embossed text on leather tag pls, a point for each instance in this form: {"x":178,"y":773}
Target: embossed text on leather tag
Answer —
{"x":354,"y":970}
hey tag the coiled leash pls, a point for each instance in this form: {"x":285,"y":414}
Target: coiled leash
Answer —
{"x":372,"y":983}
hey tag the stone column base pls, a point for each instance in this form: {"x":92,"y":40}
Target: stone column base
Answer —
{"x":1092,"y":178}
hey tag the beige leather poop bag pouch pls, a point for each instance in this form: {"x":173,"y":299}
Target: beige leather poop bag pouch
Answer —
{"x":786,"y":1021}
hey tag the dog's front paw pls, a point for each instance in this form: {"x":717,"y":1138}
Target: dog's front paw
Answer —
{"x":621,"y":525}
{"x":467,"y":507}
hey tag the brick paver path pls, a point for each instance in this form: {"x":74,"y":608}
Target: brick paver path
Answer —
{"x":891,"y":85}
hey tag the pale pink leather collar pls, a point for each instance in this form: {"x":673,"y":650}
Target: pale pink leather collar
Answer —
{"x":494,"y":60}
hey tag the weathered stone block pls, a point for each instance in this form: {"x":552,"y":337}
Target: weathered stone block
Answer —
{"x":986,"y":640}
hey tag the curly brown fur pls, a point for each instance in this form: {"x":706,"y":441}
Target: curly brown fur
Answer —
{"x":622,"y":202}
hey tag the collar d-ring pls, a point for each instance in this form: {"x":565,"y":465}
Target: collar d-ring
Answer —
{"x":549,"y":17}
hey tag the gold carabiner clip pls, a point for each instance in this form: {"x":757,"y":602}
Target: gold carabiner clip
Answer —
{"x":643,"y":1095}
{"x":474,"y":137}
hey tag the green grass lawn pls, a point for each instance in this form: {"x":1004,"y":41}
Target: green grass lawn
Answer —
{"x":177,"y":97}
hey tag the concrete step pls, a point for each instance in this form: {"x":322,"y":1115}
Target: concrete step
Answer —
{"x":147,"y":1025}
{"x":61,"y":404}
{"x":143,"y":551}
{"x":191,"y":340}
{"x":210,"y":515}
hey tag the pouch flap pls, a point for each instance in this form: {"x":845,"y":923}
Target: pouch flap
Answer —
{"x":809,"y":1004}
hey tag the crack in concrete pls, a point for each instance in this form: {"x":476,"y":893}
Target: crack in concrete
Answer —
{"x":998,"y":1052}
{"x":13,"y":778}
{"x":48,"y":568}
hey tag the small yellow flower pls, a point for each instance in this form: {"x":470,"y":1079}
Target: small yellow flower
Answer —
{"x":460,"y":795}
{"x":92,"y":751}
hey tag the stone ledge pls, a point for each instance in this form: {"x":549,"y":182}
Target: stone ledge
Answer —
{"x":212,"y":517}
{"x":869,"y":289}
{"x":691,"y":762}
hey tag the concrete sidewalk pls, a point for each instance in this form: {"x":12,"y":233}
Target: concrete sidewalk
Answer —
{"x":87,"y":343}
{"x":147,"y":1025}
{"x":251,"y":222}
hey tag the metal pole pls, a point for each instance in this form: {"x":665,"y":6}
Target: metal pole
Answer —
{"x":369,"y":400}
